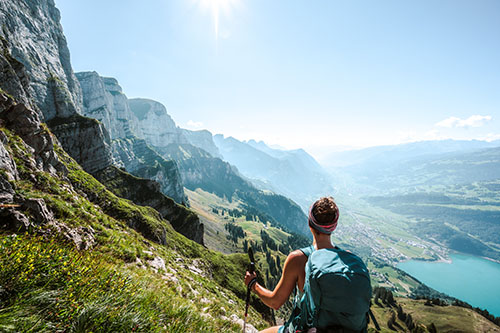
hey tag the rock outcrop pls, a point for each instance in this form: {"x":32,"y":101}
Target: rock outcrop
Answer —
{"x":37,"y":74}
{"x":91,"y":150}
{"x":140,"y":160}
{"x":157,"y":126}
{"x":202,"y":139}
{"x":26,"y":123}
{"x":32,"y":36}
{"x":104,"y":100}
{"x":7,"y":165}
{"x":147,"y":192}
{"x":159,"y":129}
{"x":20,"y":213}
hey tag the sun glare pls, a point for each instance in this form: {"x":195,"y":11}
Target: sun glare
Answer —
{"x":218,"y":8}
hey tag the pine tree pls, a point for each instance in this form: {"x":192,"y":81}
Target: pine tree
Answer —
{"x":409,"y":322}
{"x":390,"y":297}
{"x":391,"y":321}
{"x":401,"y":314}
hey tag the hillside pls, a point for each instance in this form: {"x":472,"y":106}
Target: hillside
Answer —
{"x":128,"y":246}
{"x":405,"y":315}
{"x":199,"y":169}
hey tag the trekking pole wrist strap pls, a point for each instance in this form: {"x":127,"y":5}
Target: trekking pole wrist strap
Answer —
{"x":252,"y":283}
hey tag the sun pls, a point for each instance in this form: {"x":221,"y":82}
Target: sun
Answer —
{"x":218,"y":8}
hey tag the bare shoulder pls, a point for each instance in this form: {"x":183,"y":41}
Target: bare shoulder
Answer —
{"x":296,"y":257}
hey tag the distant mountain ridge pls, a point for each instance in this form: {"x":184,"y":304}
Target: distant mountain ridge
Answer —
{"x":445,"y":168}
{"x":385,"y":155}
{"x":293,"y":173}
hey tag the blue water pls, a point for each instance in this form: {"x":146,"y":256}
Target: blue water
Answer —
{"x":471,"y":279}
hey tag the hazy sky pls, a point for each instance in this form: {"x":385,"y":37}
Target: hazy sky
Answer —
{"x":302,"y":73}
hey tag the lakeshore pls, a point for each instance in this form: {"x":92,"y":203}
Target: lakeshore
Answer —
{"x":466,"y":277}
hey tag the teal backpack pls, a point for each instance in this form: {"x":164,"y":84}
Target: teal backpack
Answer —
{"x":337,"y":293}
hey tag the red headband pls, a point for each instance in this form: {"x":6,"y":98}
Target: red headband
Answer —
{"x":324,"y":229}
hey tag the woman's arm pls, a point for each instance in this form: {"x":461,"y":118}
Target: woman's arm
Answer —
{"x":292,"y":269}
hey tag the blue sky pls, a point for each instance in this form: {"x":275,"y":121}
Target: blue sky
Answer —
{"x":310,"y":74}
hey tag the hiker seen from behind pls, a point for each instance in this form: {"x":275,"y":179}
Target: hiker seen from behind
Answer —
{"x":332,"y":286}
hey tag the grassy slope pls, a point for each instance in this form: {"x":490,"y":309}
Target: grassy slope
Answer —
{"x":197,"y":291}
{"x":445,"y":318}
{"x":202,"y":203}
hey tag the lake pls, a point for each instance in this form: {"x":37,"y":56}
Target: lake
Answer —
{"x":471,"y":279}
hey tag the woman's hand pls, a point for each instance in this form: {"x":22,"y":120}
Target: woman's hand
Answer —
{"x":249,"y":277}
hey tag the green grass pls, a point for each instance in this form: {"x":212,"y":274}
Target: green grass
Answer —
{"x":6,"y":93}
{"x":44,"y":297}
{"x":51,"y":286}
{"x":445,"y":318}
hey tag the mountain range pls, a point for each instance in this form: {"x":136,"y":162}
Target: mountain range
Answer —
{"x":293,"y":173}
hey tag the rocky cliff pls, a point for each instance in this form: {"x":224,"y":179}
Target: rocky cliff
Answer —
{"x":141,"y":160}
{"x":35,"y":39}
{"x":158,"y":127}
{"x":37,"y":73}
{"x":202,"y":139}
{"x":104,"y":100}
{"x":38,"y":85}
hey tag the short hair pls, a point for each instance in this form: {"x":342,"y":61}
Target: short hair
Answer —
{"x":325,"y":210}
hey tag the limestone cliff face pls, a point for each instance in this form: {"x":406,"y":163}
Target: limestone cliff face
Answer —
{"x":160,"y":130}
{"x":157,"y":126}
{"x":91,"y":150}
{"x":202,"y":139}
{"x":37,"y":73}
{"x":104,"y":100}
{"x":37,"y":84}
{"x":140,"y":160}
{"x":32,"y":34}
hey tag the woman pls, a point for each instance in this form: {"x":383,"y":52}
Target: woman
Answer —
{"x":323,"y":217}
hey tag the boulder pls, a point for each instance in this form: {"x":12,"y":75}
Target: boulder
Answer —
{"x":38,"y":210}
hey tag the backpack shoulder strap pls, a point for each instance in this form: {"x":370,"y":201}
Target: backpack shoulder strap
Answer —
{"x":308,"y":250}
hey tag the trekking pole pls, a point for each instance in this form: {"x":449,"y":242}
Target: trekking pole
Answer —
{"x":251,"y":269}
{"x":377,"y":327}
